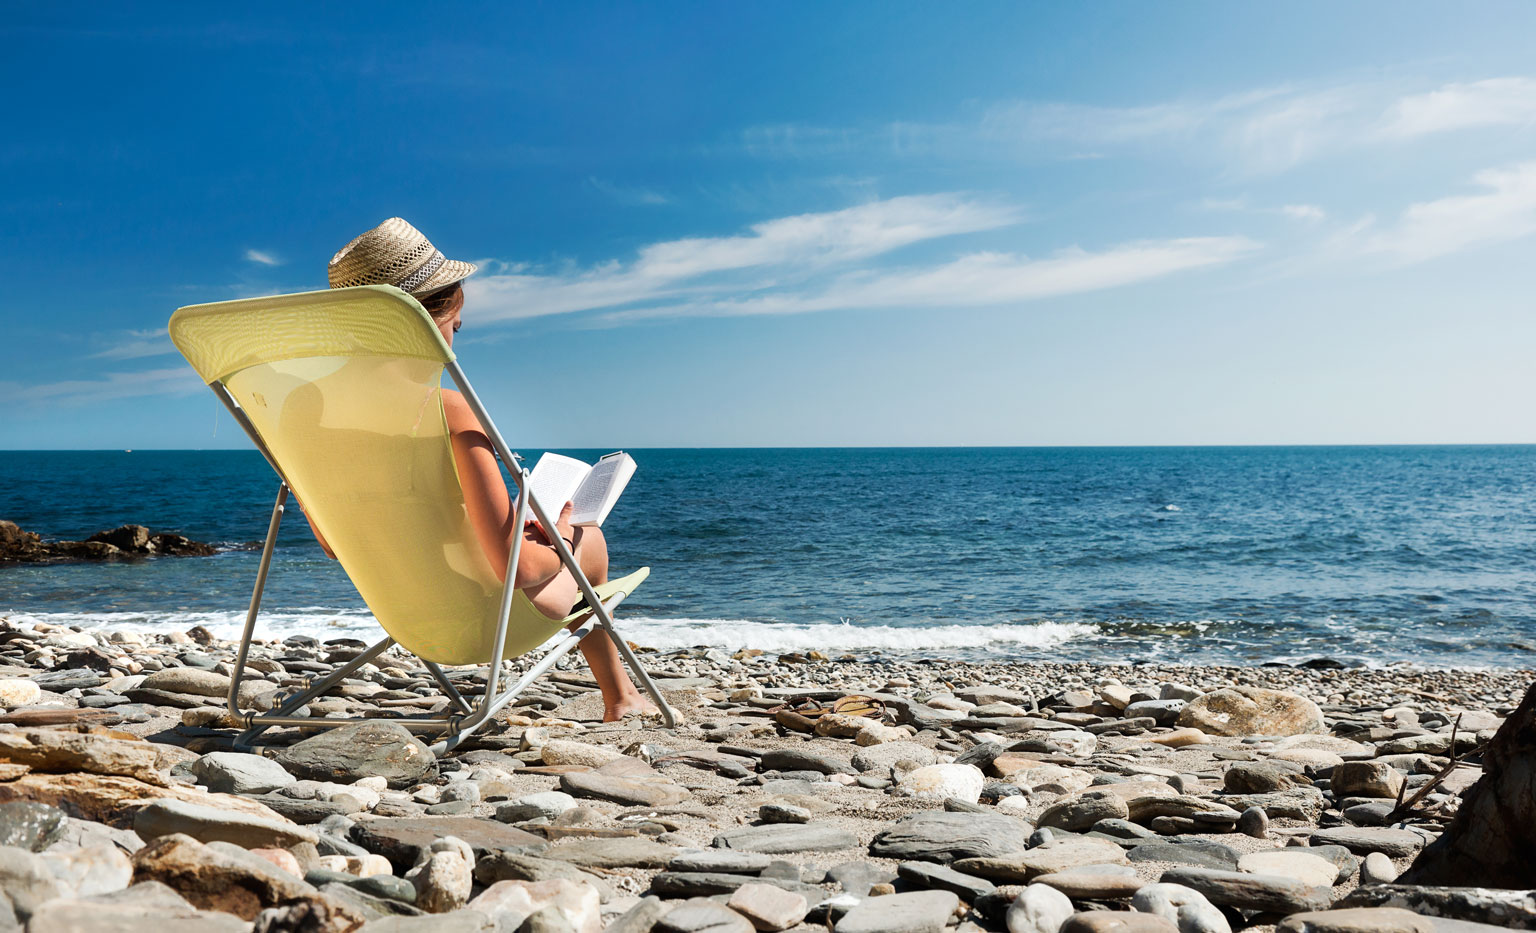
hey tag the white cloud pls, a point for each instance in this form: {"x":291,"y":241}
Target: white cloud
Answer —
{"x":1309,"y":212}
{"x":979,"y":279}
{"x":178,"y":380}
{"x":134,"y":344}
{"x":1505,"y":211}
{"x":802,"y":244}
{"x":640,"y":197}
{"x":262,"y":257}
{"x":1263,"y":130}
{"x":1492,"y":102}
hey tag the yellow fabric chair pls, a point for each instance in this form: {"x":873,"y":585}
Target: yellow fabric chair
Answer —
{"x":341,"y":391}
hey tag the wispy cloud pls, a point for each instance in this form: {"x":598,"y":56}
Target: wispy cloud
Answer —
{"x":629,"y":195}
{"x":801,"y":244}
{"x":262,"y":257}
{"x":1493,"y":102}
{"x":1506,"y":210}
{"x":178,"y":380}
{"x":1309,"y":212}
{"x":817,"y":262}
{"x":133,"y":344}
{"x":1263,"y":130}
{"x":979,"y":279}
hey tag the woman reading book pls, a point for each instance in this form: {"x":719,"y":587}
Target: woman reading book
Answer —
{"x":395,"y":253}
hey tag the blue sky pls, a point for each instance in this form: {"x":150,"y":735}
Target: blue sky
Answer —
{"x":818,"y":224}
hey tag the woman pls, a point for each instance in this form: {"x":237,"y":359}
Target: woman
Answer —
{"x":396,"y":253}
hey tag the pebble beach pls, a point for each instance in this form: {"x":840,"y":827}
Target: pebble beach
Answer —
{"x":989,"y":796}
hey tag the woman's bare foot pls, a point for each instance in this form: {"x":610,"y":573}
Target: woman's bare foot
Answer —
{"x":613,"y":712}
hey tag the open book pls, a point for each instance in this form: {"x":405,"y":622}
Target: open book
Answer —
{"x":592,"y":490}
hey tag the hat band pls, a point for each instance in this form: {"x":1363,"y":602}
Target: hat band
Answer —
{"x":414,"y":281}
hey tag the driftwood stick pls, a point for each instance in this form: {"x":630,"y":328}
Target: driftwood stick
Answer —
{"x":1403,"y":809}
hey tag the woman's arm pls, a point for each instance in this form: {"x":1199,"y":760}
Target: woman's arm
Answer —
{"x":490,"y":508}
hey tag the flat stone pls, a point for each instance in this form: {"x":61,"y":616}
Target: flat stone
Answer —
{"x":624,"y":852}
{"x":546,"y":805}
{"x":1294,"y":863}
{"x":1117,"y":921}
{"x":68,"y":915}
{"x":219,"y":876}
{"x":1357,"y":920}
{"x":726,"y":860}
{"x":1397,"y":843}
{"x":187,"y":680}
{"x":53,"y":750}
{"x":1197,"y":853}
{"x":623,"y":791}
{"x":944,"y":782}
{"x":912,"y":912}
{"x":939,"y":836}
{"x":509,"y":866}
{"x":211,"y":824}
{"x":237,"y":773}
{"x":783,"y":838}
{"x":400,"y":839}
{"x":567,"y":752}
{"x":883,"y":756}
{"x":768,"y":907}
{"x":1093,"y":886}
{"x":701,"y":915}
{"x":800,"y":759}
{"x":1271,"y":893}
{"x":1496,"y":906}
{"x":1079,"y":813}
{"x":1054,"y":856}
{"x":934,"y":877}
{"x":374,"y":748}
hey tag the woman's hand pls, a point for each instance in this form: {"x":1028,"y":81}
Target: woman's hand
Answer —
{"x":563,"y":526}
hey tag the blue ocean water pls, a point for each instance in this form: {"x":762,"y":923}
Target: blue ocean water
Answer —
{"x":1375,"y":555}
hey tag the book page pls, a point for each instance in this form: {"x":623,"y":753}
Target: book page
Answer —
{"x":601,"y":489}
{"x":554,"y":481}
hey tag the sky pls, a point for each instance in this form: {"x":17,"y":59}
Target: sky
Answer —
{"x":783,"y":224}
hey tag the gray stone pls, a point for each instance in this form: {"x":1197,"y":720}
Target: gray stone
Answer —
{"x":620,"y":790}
{"x":509,"y":866}
{"x":401,"y":840}
{"x":779,"y":839}
{"x":1184,"y":907}
{"x":236,"y":773}
{"x":858,"y":877}
{"x":1038,"y":909}
{"x":783,"y":813}
{"x":27,"y":882}
{"x":1298,"y":803}
{"x":1085,"y":884}
{"x":458,"y":921}
{"x":799,"y":759}
{"x":933,"y":877}
{"x":884,"y":756}
{"x":1357,"y":920}
{"x":1076,"y":814}
{"x":1498,"y":907}
{"x":367,"y":749}
{"x":166,"y":816}
{"x":1254,"y":822}
{"x":641,"y":918}
{"x":938,"y":836}
{"x":1251,"y":892}
{"x":1245,"y":711}
{"x":546,"y":805}
{"x":726,"y":860}
{"x":1377,"y":869}
{"x":1251,"y":777}
{"x":912,"y":912}
{"x":1397,"y":843}
{"x":1196,"y":852}
{"x":30,"y":826}
{"x":623,"y":852}
{"x":701,"y":915}
{"x":1165,"y":712}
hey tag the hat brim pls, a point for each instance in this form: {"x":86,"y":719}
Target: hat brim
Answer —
{"x":449,"y":272}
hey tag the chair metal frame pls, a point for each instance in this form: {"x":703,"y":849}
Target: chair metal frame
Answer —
{"x":468,"y":717}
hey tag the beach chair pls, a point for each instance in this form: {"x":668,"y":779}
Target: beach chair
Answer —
{"x":340,"y":391}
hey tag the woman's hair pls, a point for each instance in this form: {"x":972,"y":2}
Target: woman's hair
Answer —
{"x":443,"y":302}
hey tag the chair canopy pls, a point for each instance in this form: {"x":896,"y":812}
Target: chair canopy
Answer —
{"x":343,"y":389}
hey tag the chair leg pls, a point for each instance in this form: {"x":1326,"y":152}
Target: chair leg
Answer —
{"x":454,"y":696}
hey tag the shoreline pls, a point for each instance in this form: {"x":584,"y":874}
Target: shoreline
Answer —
{"x":976,"y":786}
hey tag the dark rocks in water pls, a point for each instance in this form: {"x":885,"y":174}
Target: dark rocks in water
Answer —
{"x":1492,"y":841}
{"x":126,"y":541}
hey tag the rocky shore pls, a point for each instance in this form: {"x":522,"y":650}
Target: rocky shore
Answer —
{"x":1032,"y":798}
{"x":18,"y":546}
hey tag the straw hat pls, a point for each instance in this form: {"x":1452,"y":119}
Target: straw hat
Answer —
{"x":395,"y":253}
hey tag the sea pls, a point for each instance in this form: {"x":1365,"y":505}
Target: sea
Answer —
{"x":1362,"y":556}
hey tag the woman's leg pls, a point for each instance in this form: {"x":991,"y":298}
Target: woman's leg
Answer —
{"x":619,"y":694}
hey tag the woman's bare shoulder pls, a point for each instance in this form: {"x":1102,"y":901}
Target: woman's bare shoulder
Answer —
{"x":457,"y":413}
